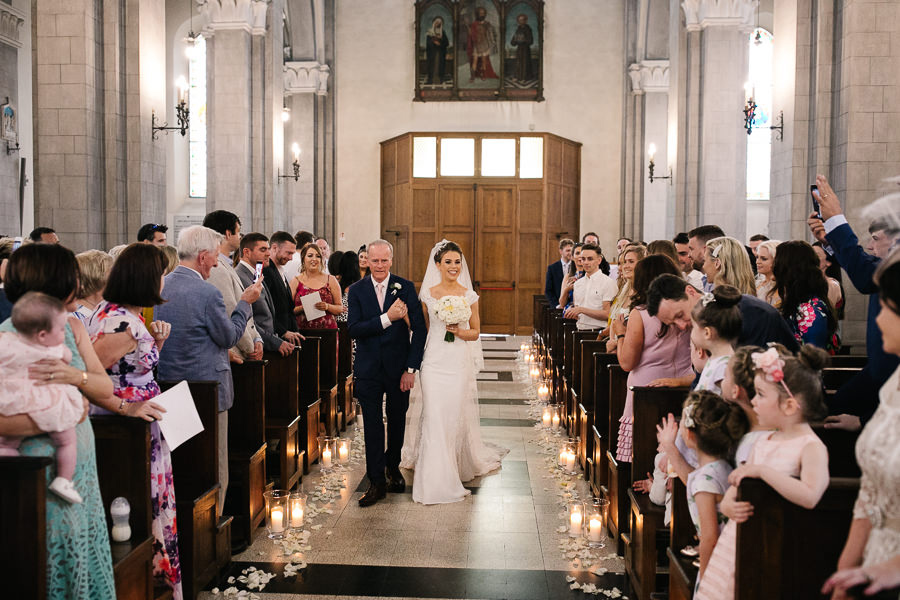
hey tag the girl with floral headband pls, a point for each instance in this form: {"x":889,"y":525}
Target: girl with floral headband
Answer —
{"x":738,"y":388}
{"x":715,"y":327}
{"x":792,"y":459}
{"x":711,"y":427}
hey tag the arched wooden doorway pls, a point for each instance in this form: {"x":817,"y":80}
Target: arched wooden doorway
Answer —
{"x":505,"y":198}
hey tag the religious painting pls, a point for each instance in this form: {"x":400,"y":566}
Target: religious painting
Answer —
{"x":479,"y":50}
{"x":9,"y":130}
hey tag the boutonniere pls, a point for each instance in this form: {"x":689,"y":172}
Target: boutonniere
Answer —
{"x":394,"y":287}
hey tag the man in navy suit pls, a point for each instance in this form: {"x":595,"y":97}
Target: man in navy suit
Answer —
{"x":557,"y":271}
{"x":281,"y":250}
{"x":383,"y":309}
{"x":197,"y":348}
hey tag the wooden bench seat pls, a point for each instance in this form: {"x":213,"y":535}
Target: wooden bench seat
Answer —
{"x":327,"y":380}
{"x":618,"y":473}
{"x":23,"y":520}
{"x":284,"y":421}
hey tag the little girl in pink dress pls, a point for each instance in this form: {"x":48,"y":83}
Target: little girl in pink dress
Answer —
{"x":56,"y":408}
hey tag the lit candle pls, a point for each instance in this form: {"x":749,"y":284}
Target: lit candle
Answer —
{"x":651,"y":151}
{"x":546,"y":418}
{"x":570,"y":461}
{"x":595,"y":529}
{"x":326,"y":458}
{"x":182,"y":86}
{"x":296,"y":513}
{"x":555,"y":420}
{"x":277,"y":520}
{"x":575,"y":523}
{"x":562,"y":457}
{"x":295,"y":150}
{"x":343,"y":453}
{"x":543,"y":392}
{"x":748,"y":91}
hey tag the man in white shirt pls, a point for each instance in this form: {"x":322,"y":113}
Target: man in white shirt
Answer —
{"x":292,"y":268}
{"x":322,"y":243}
{"x":593,"y":293}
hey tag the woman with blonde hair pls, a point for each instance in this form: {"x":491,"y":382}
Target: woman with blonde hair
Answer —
{"x":94,"y":266}
{"x":727,"y":263}
{"x":621,"y":304}
{"x":765,"y":280}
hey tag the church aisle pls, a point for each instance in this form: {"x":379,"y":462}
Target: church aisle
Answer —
{"x":500,"y":542}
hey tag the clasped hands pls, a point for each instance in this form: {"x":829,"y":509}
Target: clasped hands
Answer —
{"x":398,"y":310}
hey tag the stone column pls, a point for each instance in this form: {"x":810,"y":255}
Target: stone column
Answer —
{"x":715,"y":145}
{"x":650,"y":86}
{"x":12,"y":32}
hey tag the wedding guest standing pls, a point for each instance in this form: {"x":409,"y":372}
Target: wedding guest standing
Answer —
{"x":129,"y":350}
{"x":573,"y":274}
{"x":202,"y":330}
{"x":692,"y":275}
{"x":363,"y":261}
{"x":79,"y":562}
{"x":557,"y":271}
{"x":621,"y":304}
{"x":94,"y":266}
{"x":311,"y":279}
{"x":593,"y":294}
{"x":804,"y":295}
{"x":727,"y":263}
{"x":281,"y":249}
{"x":832,"y":272}
{"x":697,"y":238}
{"x":292,"y":267}
{"x":348,"y":274}
{"x":765,"y":276}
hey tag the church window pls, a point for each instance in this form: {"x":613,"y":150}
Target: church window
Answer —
{"x":498,"y":157}
{"x":759,"y":144}
{"x":197,"y":129}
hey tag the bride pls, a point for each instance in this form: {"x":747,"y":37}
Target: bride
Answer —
{"x":443,"y":439}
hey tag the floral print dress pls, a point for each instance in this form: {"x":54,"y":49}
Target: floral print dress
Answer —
{"x":324,"y":322}
{"x":810,"y":325}
{"x":133,"y":381}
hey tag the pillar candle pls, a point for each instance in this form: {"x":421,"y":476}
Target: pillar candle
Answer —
{"x":595,"y":529}
{"x":575,"y":523}
{"x":296,"y":513}
{"x":326,"y":458}
{"x":343,"y":454}
{"x":277,"y":519}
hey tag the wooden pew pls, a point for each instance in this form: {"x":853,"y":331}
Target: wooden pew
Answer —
{"x":835,"y":377}
{"x":284,"y":420}
{"x":345,"y":375}
{"x":785,"y":551}
{"x":123,"y":469}
{"x":645,"y":545}
{"x":682,"y":572}
{"x":599,"y":401}
{"x":582,"y":392}
{"x":566,"y":375}
{"x":23,"y":520}
{"x":841,"y":450}
{"x":848,"y":361}
{"x":310,"y":401}
{"x":618,"y":473}
{"x":572,"y":375}
{"x":328,"y":377}
{"x":204,"y":538}
{"x":247,"y":451}
{"x":554,"y":354}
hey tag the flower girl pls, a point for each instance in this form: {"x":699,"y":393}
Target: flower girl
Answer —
{"x":716,"y":325}
{"x":737,"y":387}
{"x":792,"y":459}
{"x":56,"y":408}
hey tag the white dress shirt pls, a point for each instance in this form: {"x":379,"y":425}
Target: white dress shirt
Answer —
{"x":591,"y":292}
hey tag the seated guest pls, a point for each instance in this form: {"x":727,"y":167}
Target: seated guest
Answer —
{"x":621,"y":304}
{"x":281,"y":250}
{"x":697,"y":238}
{"x":572,"y":274}
{"x":804,"y":295}
{"x":650,"y":351}
{"x":557,"y":271}
{"x":202,"y":330}
{"x":727,"y":264}
{"x":672,"y":299}
{"x":43,"y":235}
{"x":225,"y":279}
{"x":94,"y":266}
{"x":872,"y":551}
{"x":129,"y":350}
{"x":254,"y":249}
{"x":859,"y":396}
{"x":765,"y":276}
{"x":152,"y":233}
{"x":693,"y":276}
{"x":592,"y":294}
{"x":832,"y":272}
{"x":292,"y":267}
{"x":79,"y":562}
{"x":313,"y":279}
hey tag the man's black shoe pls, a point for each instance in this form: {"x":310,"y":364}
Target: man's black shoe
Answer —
{"x":395,"y":482}
{"x":376,"y":492}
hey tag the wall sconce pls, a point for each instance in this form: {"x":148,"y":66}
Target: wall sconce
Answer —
{"x":295,"y":150}
{"x":750,"y":115}
{"x":651,"y":152}
{"x":285,"y":114}
{"x":181,"y":110}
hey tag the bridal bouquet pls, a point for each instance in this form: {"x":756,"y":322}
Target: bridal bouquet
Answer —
{"x":453,"y":310}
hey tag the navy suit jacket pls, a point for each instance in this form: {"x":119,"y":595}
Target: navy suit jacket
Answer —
{"x":202,"y":332}
{"x":282,"y":303}
{"x":859,"y":396}
{"x":553,"y":283}
{"x":384,"y":350}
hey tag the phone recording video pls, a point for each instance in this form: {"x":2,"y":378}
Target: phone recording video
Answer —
{"x":259,"y":267}
{"x":814,"y":192}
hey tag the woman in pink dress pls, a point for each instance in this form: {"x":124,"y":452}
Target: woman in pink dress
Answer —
{"x":313,"y":278}
{"x":649,"y":350}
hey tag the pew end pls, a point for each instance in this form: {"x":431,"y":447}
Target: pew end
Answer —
{"x":23,"y":519}
{"x":285,"y":425}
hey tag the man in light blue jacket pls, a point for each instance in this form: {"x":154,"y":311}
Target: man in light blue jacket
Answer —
{"x":202,"y":331}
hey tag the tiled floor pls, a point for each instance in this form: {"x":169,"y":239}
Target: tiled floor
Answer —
{"x":500,"y":542}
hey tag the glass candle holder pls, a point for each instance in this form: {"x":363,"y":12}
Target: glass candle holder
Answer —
{"x":596,"y":512}
{"x":277,"y":512}
{"x":576,"y":519}
{"x":327,"y":452}
{"x":568,"y":455}
{"x":343,"y":450}
{"x":546,"y":416}
{"x":554,"y":418}
{"x":543,"y":392}
{"x":297,"y":509}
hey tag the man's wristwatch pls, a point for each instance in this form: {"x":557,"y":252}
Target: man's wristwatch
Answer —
{"x":411,"y":371}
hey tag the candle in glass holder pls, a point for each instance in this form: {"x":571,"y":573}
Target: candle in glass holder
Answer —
{"x":543,"y":392}
{"x":562,"y":457}
{"x":343,"y":453}
{"x":326,"y":458}
{"x":595,"y":529}
{"x":296,"y":513}
{"x":546,"y":419}
{"x":277,"y":520}
{"x":555,"y":420}
{"x":570,"y":461}
{"x":575,"y":520}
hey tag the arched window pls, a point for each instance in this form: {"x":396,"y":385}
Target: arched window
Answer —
{"x":759,"y":144}
{"x":197,"y":103}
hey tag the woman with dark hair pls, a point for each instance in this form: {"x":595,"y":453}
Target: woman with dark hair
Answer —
{"x":334,"y":262}
{"x":348,"y":271}
{"x":363,"y":257}
{"x":651,"y":352}
{"x":832,"y":271}
{"x":129,"y":350}
{"x":79,"y":562}
{"x":803,"y":290}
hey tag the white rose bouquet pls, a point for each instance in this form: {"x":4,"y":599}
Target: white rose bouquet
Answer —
{"x":453,"y":310}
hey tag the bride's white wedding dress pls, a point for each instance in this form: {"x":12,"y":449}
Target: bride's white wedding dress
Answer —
{"x":443,"y":441}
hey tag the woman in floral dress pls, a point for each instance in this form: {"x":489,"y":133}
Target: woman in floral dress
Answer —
{"x":129,"y":352}
{"x":803,"y":290}
{"x":313,"y":278}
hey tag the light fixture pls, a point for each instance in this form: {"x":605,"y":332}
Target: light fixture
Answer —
{"x":750,"y":115}
{"x":651,"y":152}
{"x":295,"y":165}
{"x":285,"y":114}
{"x":191,"y":39}
{"x":181,"y":110}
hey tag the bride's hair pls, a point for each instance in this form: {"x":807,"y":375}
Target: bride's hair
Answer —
{"x":444,"y":249}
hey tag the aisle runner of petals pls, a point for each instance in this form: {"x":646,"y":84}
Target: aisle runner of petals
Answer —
{"x":576,"y":550}
{"x":326,"y":489}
